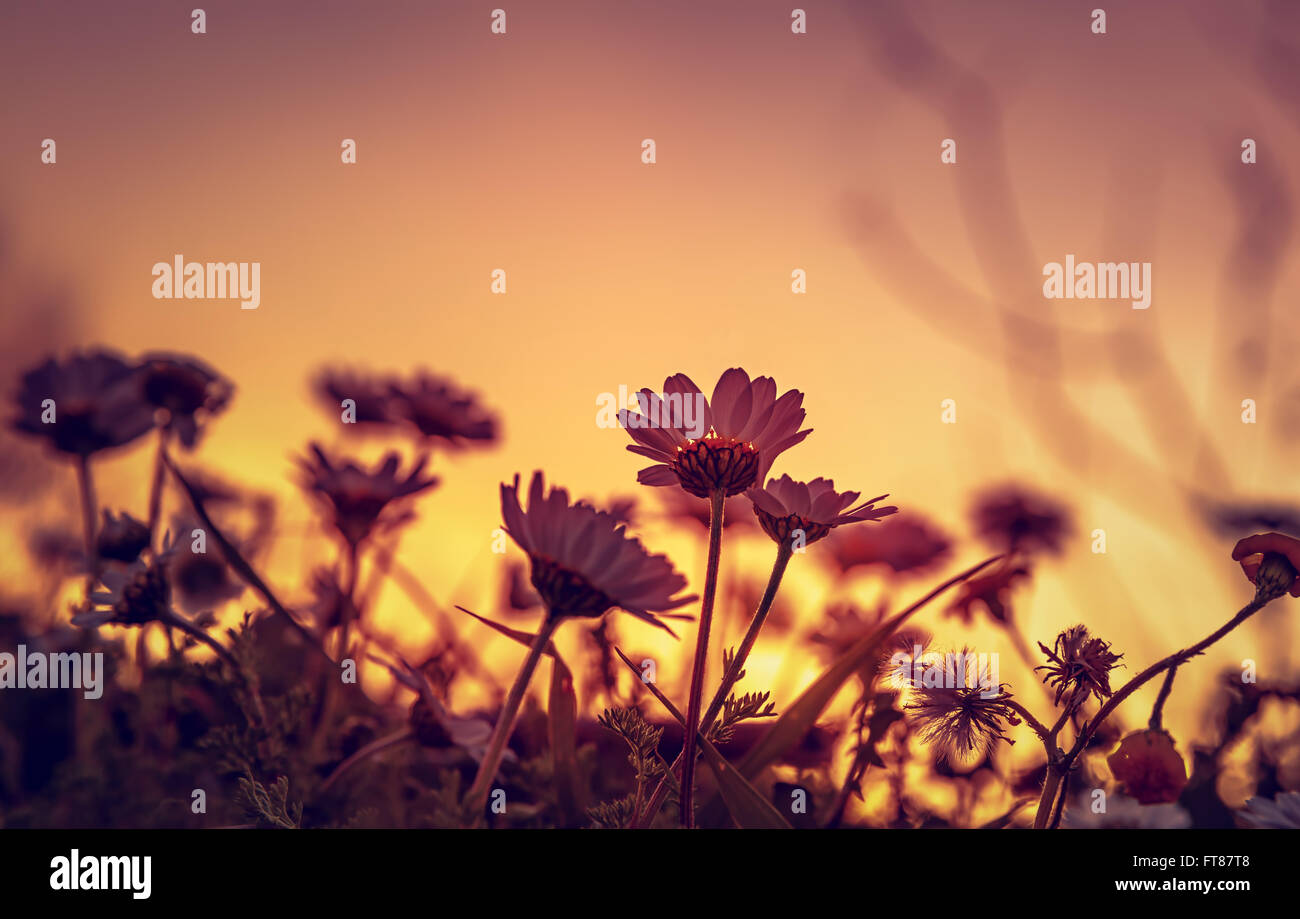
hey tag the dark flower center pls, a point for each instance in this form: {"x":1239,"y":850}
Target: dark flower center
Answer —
{"x":711,"y":463}
{"x":565,"y":592}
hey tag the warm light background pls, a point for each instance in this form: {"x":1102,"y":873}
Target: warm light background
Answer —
{"x":775,"y":152}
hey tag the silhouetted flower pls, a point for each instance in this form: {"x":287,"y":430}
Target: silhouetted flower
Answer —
{"x":583,"y":562}
{"x":96,"y":403}
{"x":742,"y":429}
{"x":1078,"y":666}
{"x":786,"y":508}
{"x":1013,"y":519}
{"x":1148,"y":767}
{"x":1282,"y":813}
{"x":432,"y":725}
{"x":991,"y":591}
{"x":358,"y":498}
{"x":906,"y":542}
{"x":961,"y":712}
{"x":186,"y":390}
{"x":372,"y":397}
{"x":200,"y":580}
{"x":137,"y":595}
{"x":1280,"y":572}
{"x":440,"y":410}
{"x":121,"y":538}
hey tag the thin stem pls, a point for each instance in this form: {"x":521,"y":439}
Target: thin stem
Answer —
{"x":783,"y":554}
{"x":1050,"y":787}
{"x":1039,"y":728}
{"x":701,"y":655}
{"x":1059,"y":810}
{"x":86,"y":485}
{"x":1157,"y":711}
{"x":369,"y":750}
{"x":476,"y":797}
{"x":156,"y":487}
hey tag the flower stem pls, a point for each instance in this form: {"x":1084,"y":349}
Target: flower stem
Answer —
{"x":86,"y":485}
{"x":156,"y":487}
{"x":701,"y":655}
{"x":476,"y":797}
{"x":729,"y":679}
{"x":369,"y":750}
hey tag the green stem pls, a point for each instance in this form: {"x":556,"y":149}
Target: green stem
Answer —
{"x":476,"y":797}
{"x":701,"y":655}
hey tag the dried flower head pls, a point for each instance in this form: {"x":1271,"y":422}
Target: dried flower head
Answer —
{"x":740,"y":431}
{"x":185,"y":391}
{"x":121,"y":538}
{"x":362,"y":500}
{"x":84,"y":404}
{"x":1014,"y":519}
{"x":786,"y":508}
{"x":1078,"y":666}
{"x":583,"y":562}
{"x":1148,"y":767}
{"x":440,"y":410}
{"x":959,"y":708}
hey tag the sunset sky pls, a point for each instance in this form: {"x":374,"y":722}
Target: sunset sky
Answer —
{"x":775,"y":152}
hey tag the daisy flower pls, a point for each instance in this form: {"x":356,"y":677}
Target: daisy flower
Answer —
{"x":743,"y":429}
{"x":185,"y":390}
{"x":96,"y":404}
{"x":583,"y":562}
{"x":442,"y":411}
{"x":786,"y":507}
{"x":361,"y":500}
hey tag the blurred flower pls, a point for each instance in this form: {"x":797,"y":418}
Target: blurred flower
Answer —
{"x":517,"y":592}
{"x":375,"y":405}
{"x":1122,"y":812}
{"x":200,"y":580}
{"x":186,"y":390}
{"x":439,"y":410}
{"x":121,"y":538}
{"x":1282,"y":813}
{"x":138,"y":595}
{"x":583,"y":562}
{"x":97,"y":404}
{"x":56,"y":548}
{"x":785,"y":507}
{"x":906,"y":542}
{"x":962,"y":713}
{"x":1013,"y":519}
{"x":1148,"y":767}
{"x":991,"y":591}
{"x":432,"y":725}
{"x":359,"y":498}
{"x":1078,"y":666}
{"x":686,"y":508}
{"x":743,"y":429}
{"x":1239,"y":519}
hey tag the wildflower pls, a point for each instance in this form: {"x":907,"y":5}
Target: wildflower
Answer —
{"x":96,"y":404}
{"x":583,"y":562}
{"x":200,"y":580}
{"x":136,"y":596}
{"x":812,"y":509}
{"x":1253,"y":550}
{"x":991,"y":591}
{"x":360,"y":500}
{"x":432,"y":725}
{"x":1148,"y":767}
{"x":905,"y":543}
{"x":439,"y":410}
{"x":1282,"y":813}
{"x":121,"y":538}
{"x":743,"y":429}
{"x":373,"y":401}
{"x":963,"y":712}
{"x":1078,"y":666}
{"x":1015,"y":520}
{"x":185,"y":390}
